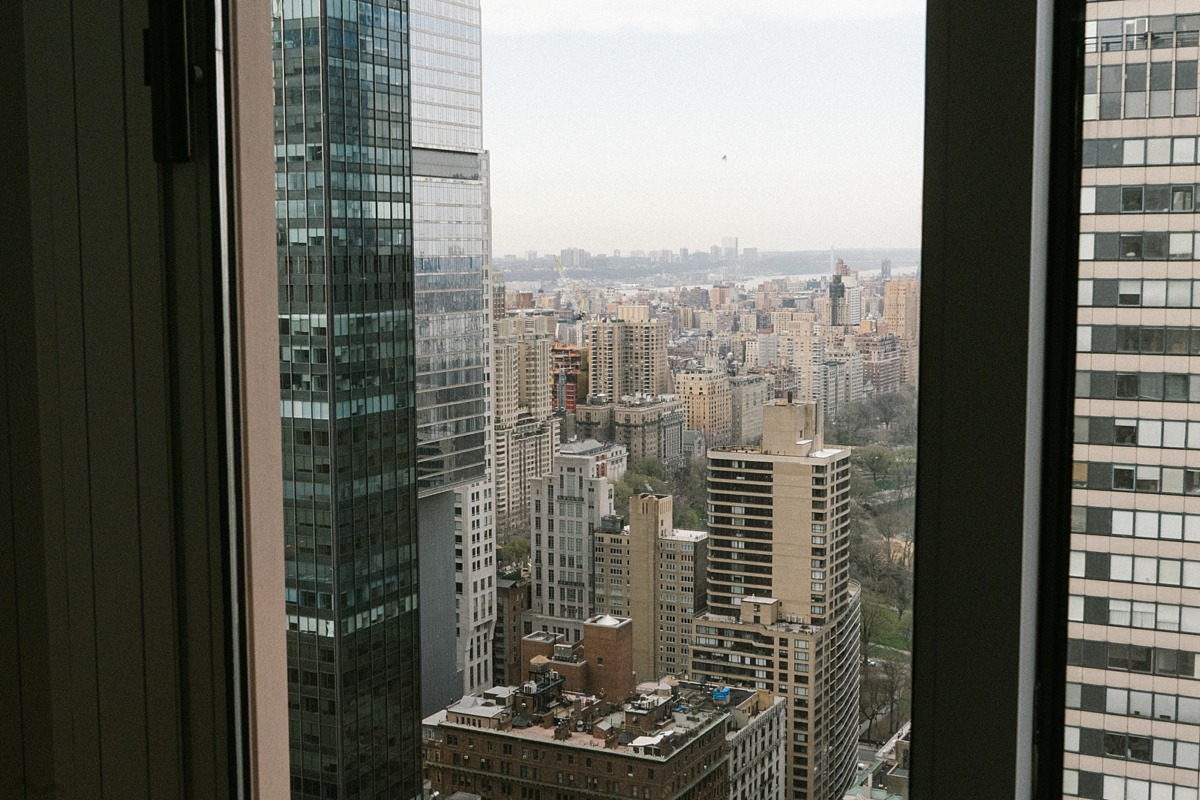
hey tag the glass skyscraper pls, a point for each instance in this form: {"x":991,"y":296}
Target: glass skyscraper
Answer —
{"x":1133,"y":674}
{"x":452,"y":242}
{"x":348,"y":395}
{"x":452,"y":250}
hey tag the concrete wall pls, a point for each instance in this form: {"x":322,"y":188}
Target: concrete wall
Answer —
{"x":441,"y":680}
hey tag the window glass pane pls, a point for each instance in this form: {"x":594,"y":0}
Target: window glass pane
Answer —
{"x":1109,"y":199}
{"x":1180,"y":245}
{"x":1158,"y":151}
{"x":1085,"y":293}
{"x":1087,"y":200}
{"x":1182,"y":198}
{"x":1184,"y":149}
{"x":1185,"y":106}
{"x":1174,"y":434}
{"x":1179,"y":293}
{"x":1158,"y":198}
{"x":1154,"y":293}
{"x":1087,"y":246}
{"x":1130,"y":152}
{"x":1149,"y":432}
{"x":1131,"y":199}
{"x":1145,"y":569}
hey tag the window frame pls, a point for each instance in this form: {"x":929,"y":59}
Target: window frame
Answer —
{"x":993,"y":505}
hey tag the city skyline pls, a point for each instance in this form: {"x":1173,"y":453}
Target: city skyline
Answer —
{"x":674,"y":145}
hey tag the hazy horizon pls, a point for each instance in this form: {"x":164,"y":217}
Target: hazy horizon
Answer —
{"x":790,"y":124}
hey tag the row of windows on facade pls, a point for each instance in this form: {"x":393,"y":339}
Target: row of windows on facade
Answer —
{"x":1139,"y":293}
{"x":1144,"y":614}
{"x":1097,"y":786}
{"x":1132,"y":747}
{"x":1172,"y":387}
{"x":1139,"y":432}
{"x":1143,"y":659}
{"x":1141,"y":33}
{"x":1135,"y":102}
{"x":1133,"y":703}
{"x":1122,"y":568}
{"x":382,"y":238}
{"x":1139,"y":151}
{"x":1144,"y":339}
{"x":1141,"y":524}
{"x":1145,"y":478}
{"x":1139,"y":246}
{"x":1138,"y":199}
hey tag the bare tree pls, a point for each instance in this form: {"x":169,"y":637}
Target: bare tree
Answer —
{"x":872,"y":697}
{"x":895,"y":676}
{"x":870,"y":621}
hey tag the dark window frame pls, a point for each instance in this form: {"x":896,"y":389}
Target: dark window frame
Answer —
{"x":1005,"y":565}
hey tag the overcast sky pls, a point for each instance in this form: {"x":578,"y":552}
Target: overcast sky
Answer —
{"x":607,"y":121}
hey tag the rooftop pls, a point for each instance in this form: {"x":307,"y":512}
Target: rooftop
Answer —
{"x":782,"y":626}
{"x":685,"y":536}
{"x":827,"y":452}
{"x":653,"y":725}
{"x":586,"y":447}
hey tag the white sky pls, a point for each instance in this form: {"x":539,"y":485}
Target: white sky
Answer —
{"x":607,"y":121}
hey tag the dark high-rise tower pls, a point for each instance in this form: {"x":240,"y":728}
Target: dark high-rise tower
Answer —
{"x":344,"y":228}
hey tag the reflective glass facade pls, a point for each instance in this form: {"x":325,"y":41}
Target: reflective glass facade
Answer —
{"x":348,"y":395}
{"x":452,"y":243}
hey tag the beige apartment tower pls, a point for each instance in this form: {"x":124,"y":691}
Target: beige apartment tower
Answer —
{"x":526,"y":432}
{"x":783,"y":613}
{"x":657,"y":576}
{"x":902,"y":307}
{"x":1133,"y":647}
{"x":651,"y":427}
{"x":708,"y":404}
{"x":628,"y":358}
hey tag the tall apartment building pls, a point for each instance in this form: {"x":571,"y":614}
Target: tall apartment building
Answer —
{"x":628,"y":358}
{"x":453,"y":296}
{"x":524,"y":451}
{"x":526,"y":435}
{"x":902,"y":307}
{"x":708,"y":404}
{"x":783,"y":613}
{"x":1133,"y":675}
{"x":512,"y":601}
{"x":883,"y":368}
{"x":842,"y":304}
{"x":570,"y":504}
{"x":522,"y":345}
{"x":747,"y":396}
{"x":650,"y":427}
{"x":569,"y":376}
{"x":901,"y":314}
{"x":348,"y":403}
{"x":658,"y":577}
